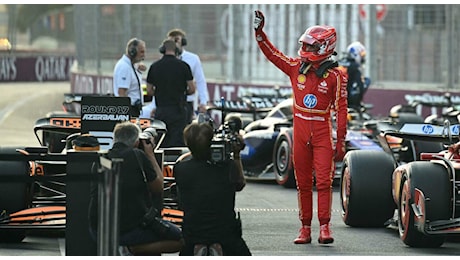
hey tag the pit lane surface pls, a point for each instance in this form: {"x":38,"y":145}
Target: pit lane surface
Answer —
{"x":268,"y":211}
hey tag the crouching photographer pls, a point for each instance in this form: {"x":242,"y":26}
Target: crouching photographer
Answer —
{"x":142,"y":230}
{"x":207,"y":184}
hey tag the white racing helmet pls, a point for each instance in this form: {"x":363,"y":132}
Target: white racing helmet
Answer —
{"x":357,"y":52}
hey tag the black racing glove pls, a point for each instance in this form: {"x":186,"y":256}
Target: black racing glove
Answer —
{"x":259,"y":21}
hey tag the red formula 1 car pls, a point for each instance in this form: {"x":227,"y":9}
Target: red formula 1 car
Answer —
{"x":420,"y":197}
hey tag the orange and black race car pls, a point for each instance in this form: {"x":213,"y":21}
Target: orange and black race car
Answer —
{"x":33,"y":180}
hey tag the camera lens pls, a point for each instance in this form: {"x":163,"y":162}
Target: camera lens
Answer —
{"x":151,"y":132}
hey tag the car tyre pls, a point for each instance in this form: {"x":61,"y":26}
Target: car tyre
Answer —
{"x":433,"y":180}
{"x":365,"y":188}
{"x":15,"y":195}
{"x":282,"y":161}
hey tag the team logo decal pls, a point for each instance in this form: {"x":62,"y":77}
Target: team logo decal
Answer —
{"x":427,"y":129}
{"x":310,"y":101}
{"x":300,"y":81}
{"x":455,"y":130}
{"x":301,"y":78}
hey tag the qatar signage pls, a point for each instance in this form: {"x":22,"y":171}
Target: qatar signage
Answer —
{"x":39,"y":68}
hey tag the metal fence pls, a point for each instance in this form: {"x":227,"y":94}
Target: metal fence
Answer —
{"x":406,"y":43}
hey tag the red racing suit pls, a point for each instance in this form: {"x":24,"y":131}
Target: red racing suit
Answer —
{"x":315,"y":99}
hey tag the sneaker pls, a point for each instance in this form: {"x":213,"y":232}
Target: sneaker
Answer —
{"x":215,"y":250}
{"x":325,"y":235}
{"x":200,"y":250}
{"x":304,"y":235}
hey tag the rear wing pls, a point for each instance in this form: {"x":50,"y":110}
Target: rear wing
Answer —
{"x":53,"y":131}
{"x":447,"y":134}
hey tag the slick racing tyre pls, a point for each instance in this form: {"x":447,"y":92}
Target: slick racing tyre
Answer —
{"x":15,"y":195}
{"x":365,"y":188}
{"x":282,"y":160}
{"x":433,"y":181}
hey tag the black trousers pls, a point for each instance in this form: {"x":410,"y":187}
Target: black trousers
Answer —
{"x":190,"y":112}
{"x":134,"y":111}
{"x":175,"y":119}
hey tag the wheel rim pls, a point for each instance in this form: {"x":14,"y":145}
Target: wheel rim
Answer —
{"x":404,"y":209}
{"x":345,"y":191}
{"x":282,"y":157}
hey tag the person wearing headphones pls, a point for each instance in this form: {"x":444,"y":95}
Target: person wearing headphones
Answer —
{"x":170,"y":80}
{"x":127,"y":79}
{"x":193,"y":60}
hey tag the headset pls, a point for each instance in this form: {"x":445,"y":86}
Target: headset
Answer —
{"x":183,"y":42}
{"x":132,"y":51}
{"x":162,"y":49}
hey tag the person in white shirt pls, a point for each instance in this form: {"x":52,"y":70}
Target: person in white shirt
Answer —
{"x":126,"y":79}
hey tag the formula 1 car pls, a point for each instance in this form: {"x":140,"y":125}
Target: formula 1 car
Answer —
{"x":418,"y":195}
{"x":268,"y":151}
{"x":33,"y":179}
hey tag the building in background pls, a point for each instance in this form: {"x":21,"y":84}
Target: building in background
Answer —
{"x":416,"y":44}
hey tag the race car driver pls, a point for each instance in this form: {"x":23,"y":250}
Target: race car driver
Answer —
{"x":353,"y":64}
{"x":319,"y":90}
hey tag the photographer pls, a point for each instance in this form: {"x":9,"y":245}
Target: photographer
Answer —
{"x":206,"y":191}
{"x":141,"y":183}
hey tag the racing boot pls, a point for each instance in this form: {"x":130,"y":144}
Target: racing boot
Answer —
{"x":325,"y":235}
{"x":304,"y":235}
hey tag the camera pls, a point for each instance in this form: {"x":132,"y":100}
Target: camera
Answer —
{"x":225,"y":137}
{"x":145,"y":135}
{"x":138,"y":105}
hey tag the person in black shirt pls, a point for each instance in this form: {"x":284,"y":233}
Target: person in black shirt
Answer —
{"x":141,"y":183}
{"x":206,"y":192}
{"x":170,"y":80}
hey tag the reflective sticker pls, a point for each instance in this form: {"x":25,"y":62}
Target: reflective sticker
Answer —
{"x":310,"y":101}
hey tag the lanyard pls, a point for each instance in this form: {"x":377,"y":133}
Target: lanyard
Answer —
{"x":139,"y":83}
